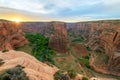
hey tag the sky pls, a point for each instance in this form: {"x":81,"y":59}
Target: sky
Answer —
{"x":59,"y":10}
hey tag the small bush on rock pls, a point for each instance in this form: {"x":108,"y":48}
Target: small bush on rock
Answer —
{"x":84,"y":78}
{"x":61,"y":75}
{"x":1,"y":62}
{"x":15,"y":73}
{"x":5,"y":50}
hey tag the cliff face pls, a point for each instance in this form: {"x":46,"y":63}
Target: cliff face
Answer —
{"x":106,"y":40}
{"x":93,"y":32}
{"x":11,"y":36}
{"x":59,"y":39}
{"x":103,"y":37}
{"x":107,"y":44}
{"x":86,"y":29}
{"x":44,"y":28}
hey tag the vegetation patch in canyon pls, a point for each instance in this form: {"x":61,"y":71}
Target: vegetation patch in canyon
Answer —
{"x":85,"y":61}
{"x":40,"y":47}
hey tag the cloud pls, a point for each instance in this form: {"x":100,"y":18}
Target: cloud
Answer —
{"x":26,"y":5}
{"x":61,"y":9}
{"x":112,"y":5}
{"x":47,"y":6}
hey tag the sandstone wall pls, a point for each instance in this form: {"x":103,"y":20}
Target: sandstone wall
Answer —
{"x":11,"y":36}
{"x":59,"y":39}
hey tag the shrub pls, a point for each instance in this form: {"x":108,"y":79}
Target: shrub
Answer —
{"x":71,"y":73}
{"x":86,"y":57}
{"x":61,"y":75}
{"x":15,"y":73}
{"x":1,"y":62}
{"x":80,"y":39}
{"x":85,"y":61}
{"x":88,"y":48}
{"x":5,"y":50}
{"x":84,"y":78}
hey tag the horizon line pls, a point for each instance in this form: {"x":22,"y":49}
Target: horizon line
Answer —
{"x":67,"y":21}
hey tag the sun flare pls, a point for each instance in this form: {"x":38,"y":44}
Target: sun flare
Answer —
{"x":17,"y":20}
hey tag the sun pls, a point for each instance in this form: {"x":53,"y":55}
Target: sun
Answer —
{"x":17,"y":20}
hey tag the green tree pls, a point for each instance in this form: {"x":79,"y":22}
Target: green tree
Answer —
{"x":40,"y":47}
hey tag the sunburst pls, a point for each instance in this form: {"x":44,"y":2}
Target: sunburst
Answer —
{"x":17,"y":20}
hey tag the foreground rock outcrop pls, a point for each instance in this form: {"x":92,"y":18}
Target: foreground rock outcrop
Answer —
{"x":11,"y":36}
{"x":34,"y":69}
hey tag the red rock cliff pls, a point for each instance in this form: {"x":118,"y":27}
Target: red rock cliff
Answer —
{"x":59,"y":39}
{"x":11,"y":36}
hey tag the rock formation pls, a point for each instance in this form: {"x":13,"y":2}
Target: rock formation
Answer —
{"x":34,"y":69}
{"x":106,"y":43}
{"x":11,"y":36}
{"x":86,"y":29}
{"x":59,"y":39}
{"x":102,"y":37}
{"x":31,"y":27}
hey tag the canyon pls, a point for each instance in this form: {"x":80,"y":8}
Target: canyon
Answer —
{"x":98,"y":40}
{"x":100,"y":36}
